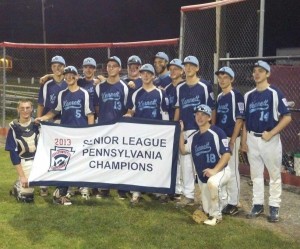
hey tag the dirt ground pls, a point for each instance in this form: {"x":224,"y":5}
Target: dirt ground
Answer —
{"x":289,"y":224}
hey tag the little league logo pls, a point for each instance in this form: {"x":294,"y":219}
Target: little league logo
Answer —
{"x":60,"y":157}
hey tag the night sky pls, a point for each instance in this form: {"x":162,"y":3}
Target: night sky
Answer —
{"x":85,"y":21}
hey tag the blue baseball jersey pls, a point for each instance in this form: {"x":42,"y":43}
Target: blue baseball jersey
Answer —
{"x":189,"y":97}
{"x":89,"y":86}
{"x":112,"y":100}
{"x":230,"y":107}
{"x":148,"y":105}
{"x":21,"y":140}
{"x":48,"y":94}
{"x":74,"y":107}
{"x":171,"y":94}
{"x":207,"y":148}
{"x":163,"y":80}
{"x":263,"y":109}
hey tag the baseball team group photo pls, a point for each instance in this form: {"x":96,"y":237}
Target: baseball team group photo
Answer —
{"x":150,"y":144}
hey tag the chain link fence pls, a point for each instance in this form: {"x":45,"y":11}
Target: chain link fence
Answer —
{"x":214,"y":30}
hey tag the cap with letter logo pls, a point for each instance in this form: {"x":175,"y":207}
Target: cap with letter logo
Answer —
{"x":226,"y":70}
{"x":58,"y":59}
{"x":148,"y":68}
{"x":191,"y":59}
{"x":89,"y":62}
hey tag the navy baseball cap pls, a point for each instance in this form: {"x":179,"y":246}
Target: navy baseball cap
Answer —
{"x":147,"y":68}
{"x":70,"y":69}
{"x":203,"y":108}
{"x":116,"y":59}
{"x":226,"y":70}
{"x":263,"y":65}
{"x":134,"y":59}
{"x":58,"y":59}
{"x":89,"y":62}
{"x":176,"y":62}
{"x":191,"y":59}
{"x":162,"y":55}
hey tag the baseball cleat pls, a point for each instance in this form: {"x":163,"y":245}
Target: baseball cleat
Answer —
{"x":230,"y":210}
{"x":274,"y":214}
{"x":44,"y":192}
{"x":63,"y":200}
{"x":256,"y":211}
{"x":185,"y":202}
{"x":212,"y":221}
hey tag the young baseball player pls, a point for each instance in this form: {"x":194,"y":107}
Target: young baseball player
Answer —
{"x":21,"y":143}
{"x":176,"y":72}
{"x":190,"y":94}
{"x":112,"y":97}
{"x":211,"y":153}
{"x":76,"y":109}
{"x":147,"y":102}
{"x":161,"y":61}
{"x":266,"y":115}
{"x":133,"y":78}
{"x":230,"y":114}
{"x":47,"y":99}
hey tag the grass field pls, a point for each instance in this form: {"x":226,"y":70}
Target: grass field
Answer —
{"x":113,"y":223}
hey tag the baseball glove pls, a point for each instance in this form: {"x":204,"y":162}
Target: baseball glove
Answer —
{"x":199,"y":216}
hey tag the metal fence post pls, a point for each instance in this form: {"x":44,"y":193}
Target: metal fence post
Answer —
{"x":4,"y":83}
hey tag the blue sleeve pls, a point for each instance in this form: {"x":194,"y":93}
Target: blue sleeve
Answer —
{"x":282,"y":104}
{"x":164,"y":102}
{"x":41,"y":97}
{"x":91,"y":103}
{"x":95,"y":97}
{"x":130,"y":101}
{"x":211,"y":101}
{"x":240,"y":106}
{"x":12,"y":147}
{"x":223,"y":142}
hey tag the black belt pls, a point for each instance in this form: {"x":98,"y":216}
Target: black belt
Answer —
{"x":256,"y":134}
{"x":27,"y":159}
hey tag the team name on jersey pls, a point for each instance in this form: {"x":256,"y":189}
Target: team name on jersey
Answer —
{"x":186,"y":102}
{"x":73,"y":104}
{"x":223,"y":108}
{"x":258,"y":106}
{"x":52,"y":98}
{"x":110,"y":96}
{"x":202,"y":149}
{"x":149,"y":104}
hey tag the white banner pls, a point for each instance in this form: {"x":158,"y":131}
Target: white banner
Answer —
{"x":133,"y":154}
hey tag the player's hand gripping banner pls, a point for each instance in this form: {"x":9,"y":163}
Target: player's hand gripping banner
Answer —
{"x":133,"y":154}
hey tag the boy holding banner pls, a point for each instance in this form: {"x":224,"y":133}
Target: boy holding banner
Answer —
{"x":76,"y":108}
{"x":147,"y":102}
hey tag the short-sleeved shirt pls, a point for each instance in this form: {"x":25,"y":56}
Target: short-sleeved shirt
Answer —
{"x":171,"y":94}
{"x":148,"y":105}
{"x":112,"y":100}
{"x":163,"y":80}
{"x":230,"y":107}
{"x":263,"y":109}
{"x":138,"y":83}
{"x":189,"y":97}
{"x":207,"y":149}
{"x":89,"y":86}
{"x":74,"y":107}
{"x":48,"y":94}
